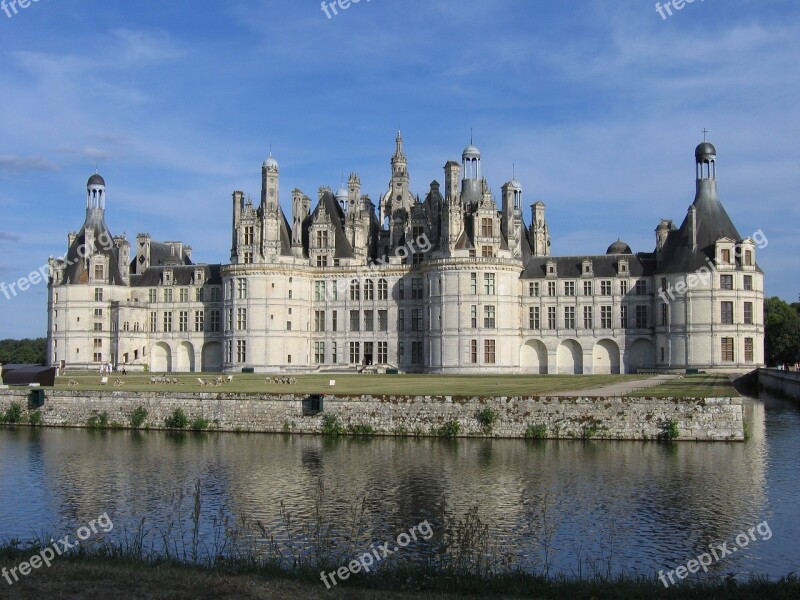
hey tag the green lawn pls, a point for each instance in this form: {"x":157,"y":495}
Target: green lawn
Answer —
{"x":692,"y":386}
{"x":434,"y":385}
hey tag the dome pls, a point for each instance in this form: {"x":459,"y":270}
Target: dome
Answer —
{"x":619,"y":247}
{"x":271,"y":162}
{"x":705,"y":149}
{"x":514,"y":183}
{"x":95,"y":180}
{"x":471,"y":152}
{"x":342,"y":194}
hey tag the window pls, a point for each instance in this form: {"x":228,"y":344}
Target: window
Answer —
{"x":248,"y":258}
{"x":641,"y":316}
{"x":605,"y":287}
{"x":489,"y":352}
{"x":355,"y":353}
{"x":551,"y":318}
{"x":748,"y":262}
{"x":401,"y":352}
{"x":488,"y":317}
{"x":334,"y":352}
{"x":383,"y":290}
{"x":355,"y":290}
{"x":98,"y":344}
{"x":241,"y":289}
{"x":416,"y":353}
{"x":241,"y":351}
{"x":248,"y":236}
{"x":335,"y":321}
{"x":416,"y":319}
{"x":199,"y":319}
{"x":168,"y":295}
{"x":199,"y":294}
{"x":183,"y":321}
{"x":319,"y":320}
{"x":488,"y":284}
{"x":322,"y":239}
{"x":487,"y":230}
{"x":167,"y":322}
{"x":319,"y":352}
{"x":587,"y":288}
{"x":726,"y":313}
{"x":588,"y":317}
{"x":726,"y":256}
{"x":748,"y":313}
{"x":551,"y":289}
{"x":401,"y":290}
{"x":383,"y":321}
{"x":748,"y":350}
{"x":213,"y":321}
{"x":369,"y":290}
{"x":664,"y":315}
{"x":533,"y":289}
{"x":623,"y":317}
{"x":605,"y":317}
{"x":727,"y":349}
{"x":383,"y":353}
{"x":416,"y":288}
{"x":99,"y":272}
{"x":473,"y":351}
{"x":354,"y":320}
{"x":153,"y":321}
{"x":319,"y":291}
{"x":623,"y":287}
{"x":473,"y":283}
{"x":229,"y":323}
{"x":401,"y":320}
{"x":726,"y":282}
{"x":98,"y":294}
{"x":533,"y":317}
{"x":322,"y":260}
{"x":152,"y":296}
{"x":569,"y":288}
{"x":98,"y":357}
{"x":487,"y":251}
{"x":98,"y":313}
{"x":229,"y":351}
{"x":569,"y":317}
{"x":184,"y":294}
{"x":288,"y":325}
{"x":641,"y":287}
{"x":369,"y":320}
{"x":748,"y":283}
{"x":334,"y":290}
{"x":216,"y":294}
{"x":473,"y":311}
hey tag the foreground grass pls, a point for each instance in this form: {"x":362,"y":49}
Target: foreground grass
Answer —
{"x":378,"y":385}
{"x":101,"y":577}
{"x":694,"y":386}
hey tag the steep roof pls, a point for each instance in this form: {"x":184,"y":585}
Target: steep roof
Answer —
{"x":182,"y":275}
{"x":603,"y":265}
{"x":76,"y":270}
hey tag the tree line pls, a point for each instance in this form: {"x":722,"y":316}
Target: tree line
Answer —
{"x":26,"y":352}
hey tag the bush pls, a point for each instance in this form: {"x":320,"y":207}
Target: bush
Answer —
{"x":360,"y":429}
{"x":12,"y":415}
{"x":98,"y":421}
{"x":35,"y":418}
{"x":138,"y":417}
{"x":536,"y":432}
{"x":331,"y":425}
{"x":449,"y":429}
{"x":177,"y":420}
{"x":199,"y":424}
{"x":669,"y":430}
{"x":486,"y":417}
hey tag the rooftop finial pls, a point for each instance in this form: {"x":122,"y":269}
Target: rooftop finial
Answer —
{"x":705,"y":132}
{"x":513,"y":170}
{"x":470,"y":136}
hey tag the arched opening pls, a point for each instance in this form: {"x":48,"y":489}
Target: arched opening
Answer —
{"x":569,"y":358}
{"x":162,"y":358}
{"x":185,"y":358}
{"x":533,"y":357}
{"x":641,"y":355}
{"x":211,"y":360}
{"x":605,"y":357}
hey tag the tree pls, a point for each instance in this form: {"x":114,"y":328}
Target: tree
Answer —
{"x":23,"y":351}
{"x":781,"y":333}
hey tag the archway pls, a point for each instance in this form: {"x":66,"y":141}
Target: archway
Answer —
{"x":605,"y":357}
{"x":533,"y":357}
{"x":162,"y":358}
{"x":212,"y":357}
{"x":570,"y":358}
{"x":185,"y":358}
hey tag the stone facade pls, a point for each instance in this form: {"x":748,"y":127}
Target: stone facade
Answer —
{"x":454,"y":283}
{"x":707,"y":419}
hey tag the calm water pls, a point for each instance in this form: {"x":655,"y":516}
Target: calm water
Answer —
{"x":634,"y":507}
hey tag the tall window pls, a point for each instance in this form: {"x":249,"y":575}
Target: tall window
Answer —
{"x":587,"y":288}
{"x":355,"y":353}
{"x":319,"y":320}
{"x":533,"y":317}
{"x":416,"y":288}
{"x":605,"y":317}
{"x":416,"y":319}
{"x":748,"y":283}
{"x":569,"y":317}
{"x":664,"y":315}
{"x":183,"y":321}
{"x":748,"y":259}
{"x":167,"y":322}
{"x":319,"y":352}
{"x":623,"y":287}
{"x":569,"y":288}
{"x":473,"y":311}
{"x":383,"y":321}
{"x":241,"y":319}
{"x":153,"y":321}
{"x":319,"y":291}
{"x":168,"y":295}
{"x":726,"y":313}
{"x":473,"y":283}
{"x":486,"y":227}
{"x":726,"y":282}
{"x":335,"y":320}
{"x":641,"y":316}
{"x":334,"y":352}
{"x":489,"y":352}
{"x":229,"y":320}
{"x":551,"y":288}
{"x":369,"y":290}
{"x":152,"y":296}
{"x":322,"y":239}
{"x":488,"y":284}
{"x":641,"y":287}
{"x":383,"y":352}
{"x":184,"y":294}
{"x":241,"y":351}
{"x":355,"y":290}
{"x":533,"y":289}
{"x":748,"y":313}
{"x":213,"y":321}
{"x":473,"y":351}
{"x":623,"y":316}
{"x":552,"y":322}
{"x":248,"y":236}
{"x":199,"y":320}
{"x":99,"y":272}
{"x":401,"y":320}
{"x":488,"y":317}
{"x":369,"y":320}
{"x":383,"y":290}
{"x":354,"y":320}
{"x":727,"y":349}
{"x":588,"y":317}
{"x":748,"y":350}
{"x":726,"y":256}
{"x":417,"y":355}
{"x":605,"y":287}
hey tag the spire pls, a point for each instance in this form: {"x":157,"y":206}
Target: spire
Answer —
{"x":398,"y":154}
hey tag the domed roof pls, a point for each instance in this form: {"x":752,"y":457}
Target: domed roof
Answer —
{"x":342,"y":194}
{"x":515,"y":183}
{"x":705,"y":149}
{"x":95,"y":180}
{"x":271,"y":162}
{"x":471,"y":152}
{"x":619,"y":247}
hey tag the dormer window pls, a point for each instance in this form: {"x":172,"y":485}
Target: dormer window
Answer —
{"x":168,"y":279}
{"x":551,"y":269}
{"x":586,"y":269}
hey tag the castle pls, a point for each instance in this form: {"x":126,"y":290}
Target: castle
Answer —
{"x":454,"y":283}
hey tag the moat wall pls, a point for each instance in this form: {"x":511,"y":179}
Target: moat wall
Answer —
{"x":706,"y":419}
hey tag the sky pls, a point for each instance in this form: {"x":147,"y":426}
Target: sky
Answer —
{"x":595,"y":106}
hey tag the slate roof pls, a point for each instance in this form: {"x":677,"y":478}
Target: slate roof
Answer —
{"x":342,"y":248}
{"x":603,"y":265}
{"x":183,"y":275}
{"x":76,"y":270}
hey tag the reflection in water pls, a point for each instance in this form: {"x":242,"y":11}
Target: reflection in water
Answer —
{"x":620,"y":505}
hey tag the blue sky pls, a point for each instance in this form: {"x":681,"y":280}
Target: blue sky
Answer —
{"x":599,"y":104}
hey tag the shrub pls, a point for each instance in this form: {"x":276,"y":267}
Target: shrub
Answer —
{"x":360,"y":429}
{"x":331,"y":425}
{"x":98,"y":421}
{"x":138,"y":417}
{"x":35,"y":418}
{"x":536,"y":432}
{"x":486,"y":417}
{"x":449,"y":429}
{"x":199,"y":424}
{"x":12,"y":415}
{"x":669,"y":430}
{"x":177,"y":420}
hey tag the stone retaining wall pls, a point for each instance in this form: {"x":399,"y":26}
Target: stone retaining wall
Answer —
{"x":781,"y":383}
{"x":606,"y":418}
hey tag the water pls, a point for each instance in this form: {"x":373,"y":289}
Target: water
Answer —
{"x":581,"y":506}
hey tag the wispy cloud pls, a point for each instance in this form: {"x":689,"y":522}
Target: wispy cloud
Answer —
{"x":15,"y":165}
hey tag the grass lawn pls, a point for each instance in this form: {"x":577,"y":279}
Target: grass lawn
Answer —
{"x":434,"y":385}
{"x":693,"y":386}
